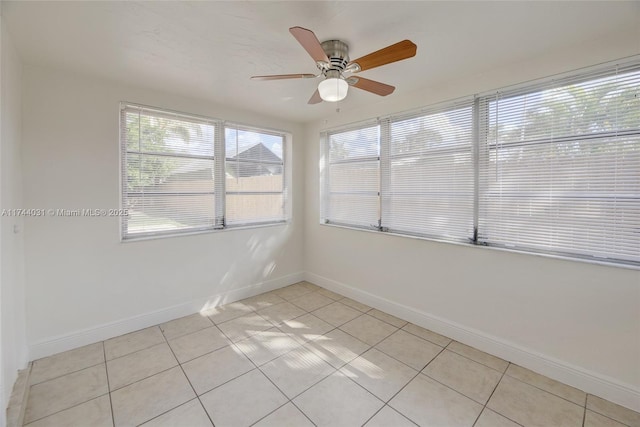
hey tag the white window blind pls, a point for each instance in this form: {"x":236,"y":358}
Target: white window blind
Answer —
{"x":560,"y":166}
{"x":179,"y":175}
{"x":255,"y":176}
{"x":428,"y":189}
{"x":551,"y":167}
{"x":167,"y":172}
{"x":351,"y":193}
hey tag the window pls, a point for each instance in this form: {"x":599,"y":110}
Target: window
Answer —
{"x":560,"y":166}
{"x":411,"y":174}
{"x":430,"y":179}
{"x":352,"y":179}
{"x":175,"y":168}
{"x":550,"y":167}
{"x":255,"y":176}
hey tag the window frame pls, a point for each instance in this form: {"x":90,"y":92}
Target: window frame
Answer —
{"x":219,"y":170}
{"x":462,"y":149}
{"x":538,"y":87}
{"x":326,"y":181}
{"x":588,"y":74}
{"x":286,"y":176}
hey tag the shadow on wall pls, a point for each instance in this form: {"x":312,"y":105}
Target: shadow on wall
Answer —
{"x":254,"y":268}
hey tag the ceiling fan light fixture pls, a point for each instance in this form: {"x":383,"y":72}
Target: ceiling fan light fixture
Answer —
{"x":333,"y":89}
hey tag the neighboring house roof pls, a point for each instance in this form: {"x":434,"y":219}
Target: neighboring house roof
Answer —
{"x":266,"y":162}
{"x":257,"y":153}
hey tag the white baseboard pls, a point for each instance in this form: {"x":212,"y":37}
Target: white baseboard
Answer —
{"x":578,"y":377}
{"x":19,"y":397}
{"x":95,"y":334}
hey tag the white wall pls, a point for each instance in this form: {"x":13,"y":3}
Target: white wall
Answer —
{"x":82,"y":283}
{"x":13,"y":354}
{"x":575,"y":321}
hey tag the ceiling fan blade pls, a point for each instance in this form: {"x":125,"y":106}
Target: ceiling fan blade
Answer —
{"x":284,"y":76}
{"x":396,"y":52}
{"x":310,"y":43}
{"x":371,"y":86}
{"x":315,"y":98}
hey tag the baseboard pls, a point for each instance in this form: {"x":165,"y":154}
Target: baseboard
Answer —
{"x":578,"y":377}
{"x":87,"y":336}
{"x":19,"y":397}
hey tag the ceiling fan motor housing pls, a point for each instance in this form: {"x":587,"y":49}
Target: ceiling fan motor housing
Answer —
{"x":338,"y":53}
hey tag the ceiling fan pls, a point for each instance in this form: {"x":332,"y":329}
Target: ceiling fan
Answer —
{"x":332,"y":59}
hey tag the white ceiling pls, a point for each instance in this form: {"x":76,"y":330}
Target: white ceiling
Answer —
{"x":210,"y":49}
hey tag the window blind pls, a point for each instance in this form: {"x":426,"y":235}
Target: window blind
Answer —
{"x":352,"y":177}
{"x":255,"y":176}
{"x":183,"y":173}
{"x":559,"y":166}
{"x":167,"y":172}
{"x":428,"y":173}
{"x":551,"y":167}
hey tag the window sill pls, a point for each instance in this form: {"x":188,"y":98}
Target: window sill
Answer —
{"x":493,"y":248}
{"x":205,"y":231}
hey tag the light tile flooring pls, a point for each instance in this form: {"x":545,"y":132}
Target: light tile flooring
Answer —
{"x":299,"y":356}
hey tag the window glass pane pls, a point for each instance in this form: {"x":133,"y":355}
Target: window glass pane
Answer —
{"x":148,"y":133}
{"x":560,"y":168}
{"x":248,"y":208}
{"x":163,"y":174}
{"x":548,"y":167}
{"x":255,"y":179}
{"x":176,"y":167}
{"x":255,"y":182}
{"x":356,"y":143}
{"x":253,"y":145}
{"x":166,"y":213}
{"x":351,"y":193}
{"x":168,"y":173}
{"x":431,"y":179}
{"x":358,"y":210}
{"x":355,"y":177}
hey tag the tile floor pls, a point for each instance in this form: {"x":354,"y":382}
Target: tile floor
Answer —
{"x":299,"y":356}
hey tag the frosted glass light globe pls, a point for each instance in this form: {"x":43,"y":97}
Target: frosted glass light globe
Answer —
{"x":333,"y":89}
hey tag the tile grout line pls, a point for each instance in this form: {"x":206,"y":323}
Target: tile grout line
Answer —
{"x":77,"y":404}
{"x":62,"y":410}
{"x":234,"y":344}
{"x":188,"y":333}
{"x":145,"y":378}
{"x":301,"y":342}
{"x":608,"y":416}
{"x":473,"y":360}
{"x":446,"y":348}
{"x":68,"y":373}
{"x":404,"y":363}
{"x":270,"y":412}
{"x":130,"y":333}
{"x":171,"y":409}
{"x":385,"y":403}
{"x":491,"y":395}
{"x":302,"y":412}
{"x":466,"y":357}
{"x":546,"y":391}
{"x":274,"y":384}
{"x":415,"y":335}
{"x":328,"y":364}
{"x":188,"y":380}
{"x":106,"y":368}
{"x":584,"y":413}
{"x":409,"y":382}
{"x":227,"y":381}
